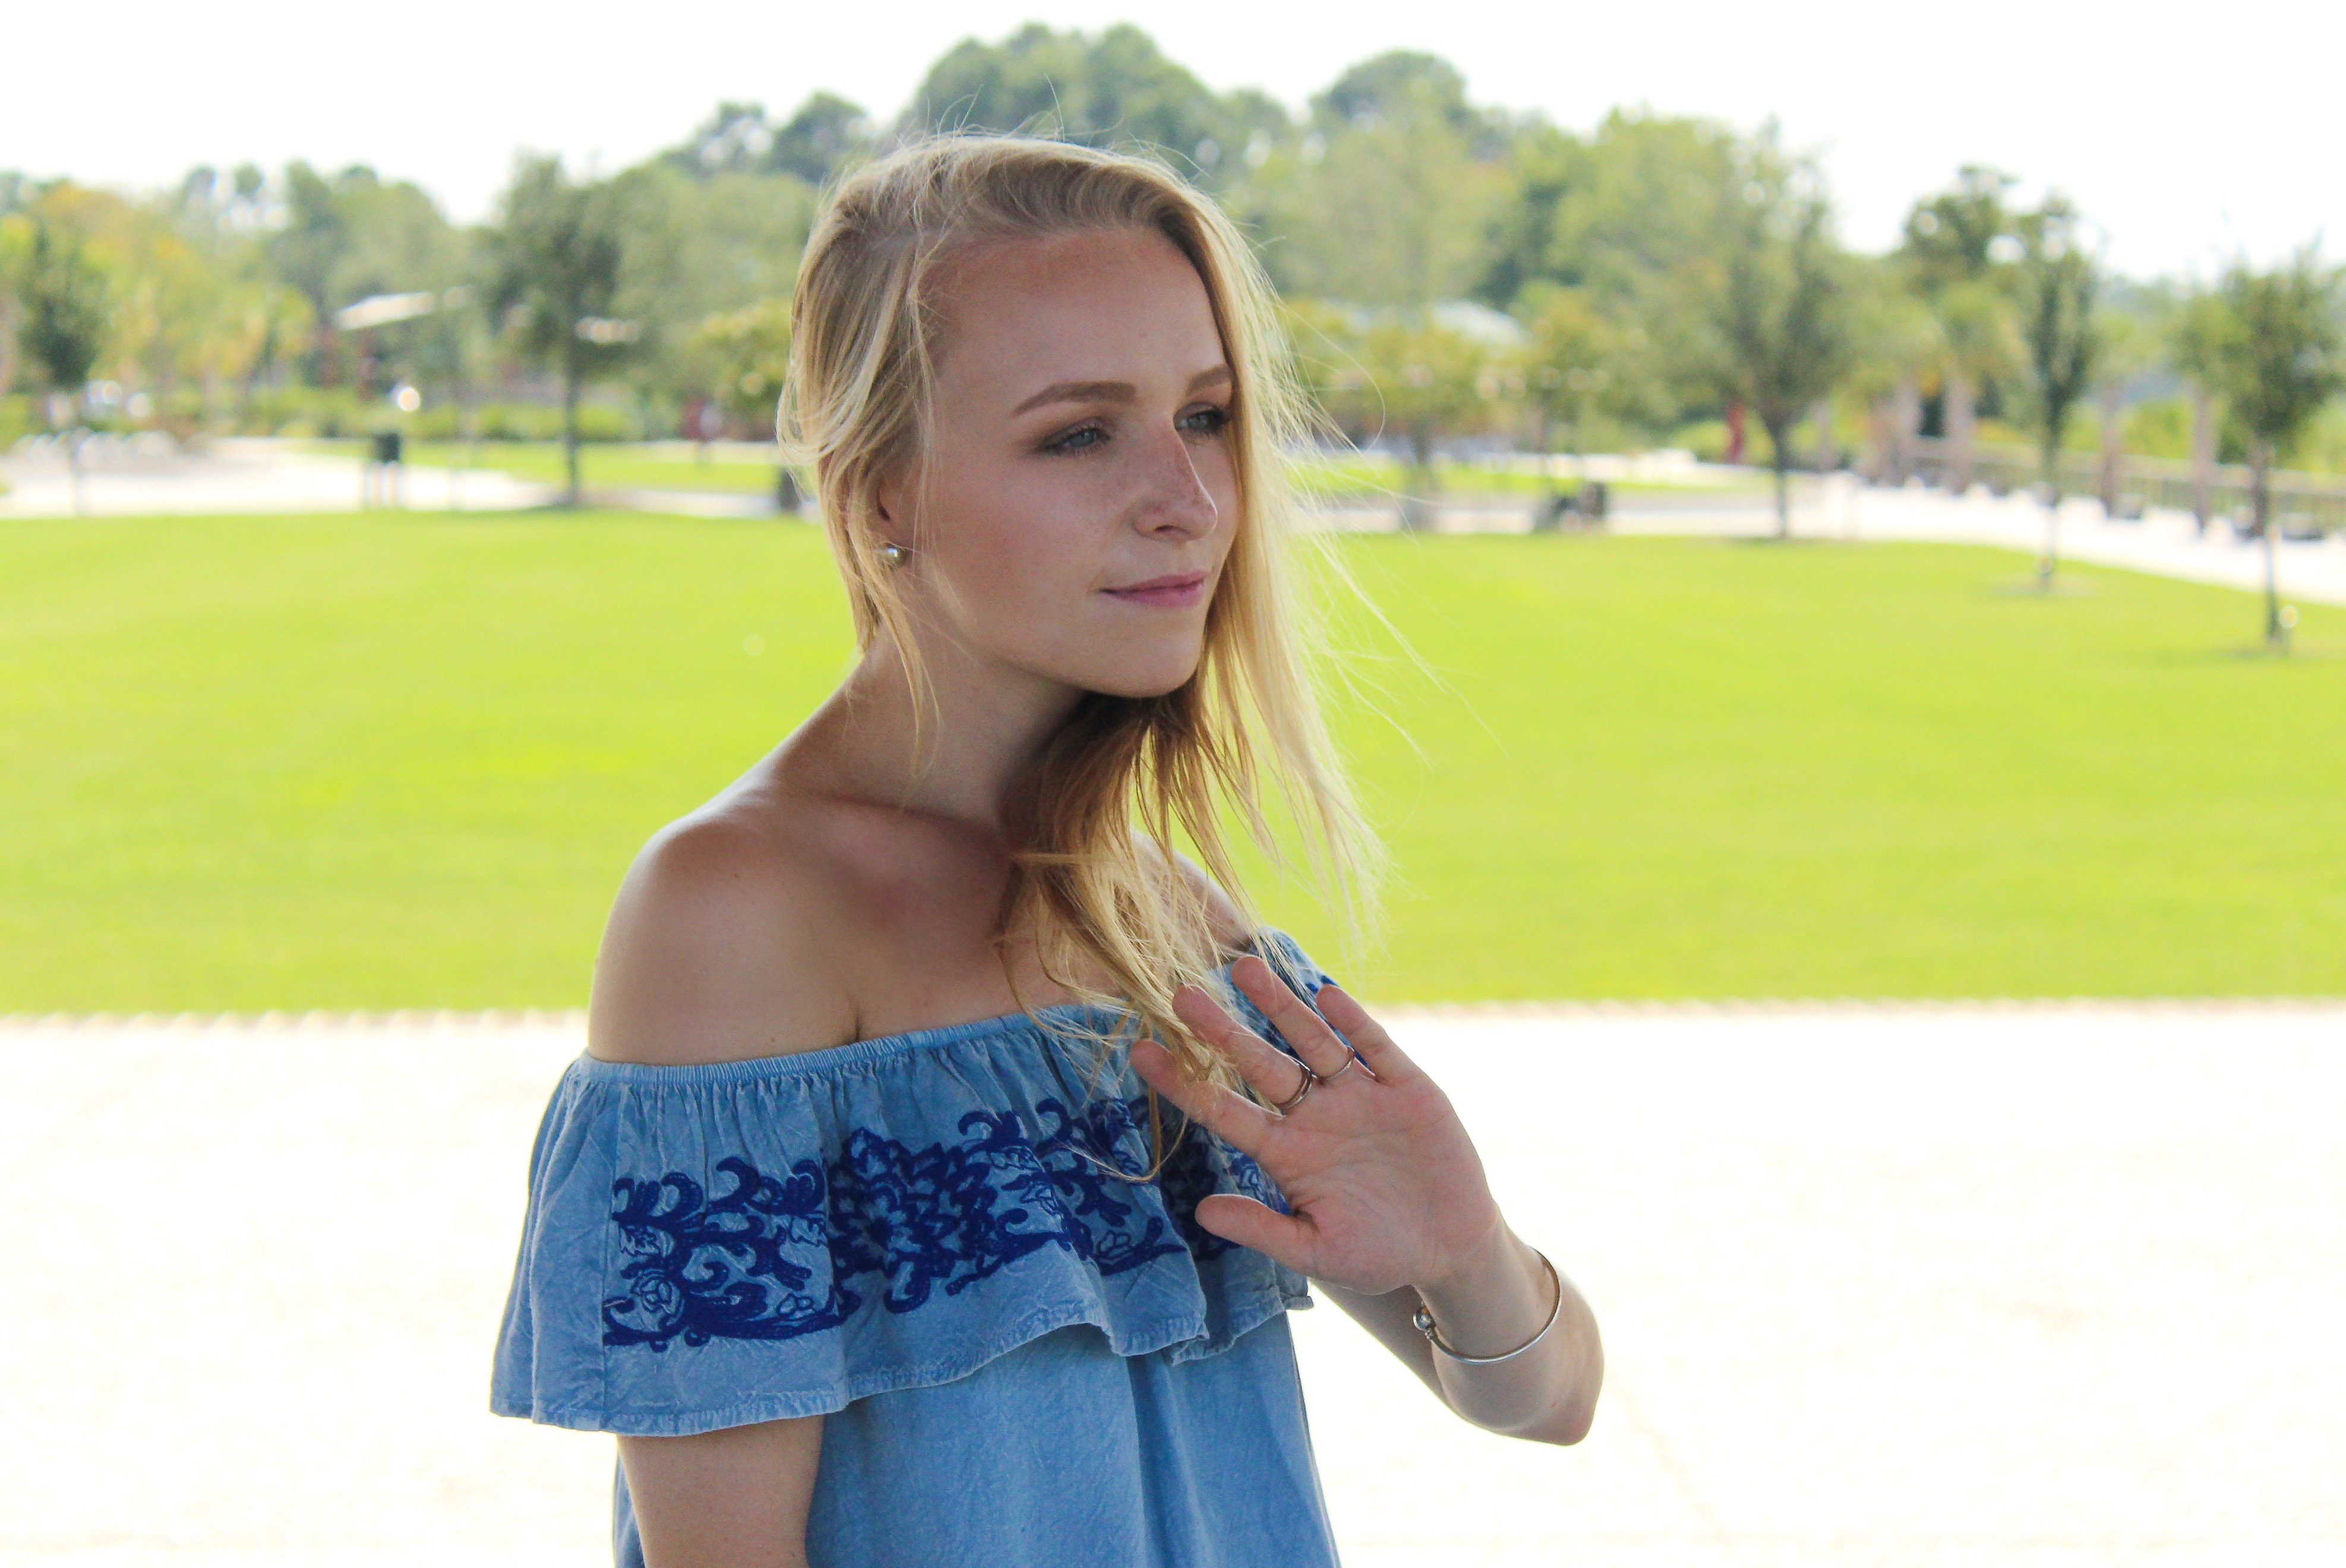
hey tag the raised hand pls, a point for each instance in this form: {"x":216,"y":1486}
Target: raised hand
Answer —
{"x":1383,"y":1185}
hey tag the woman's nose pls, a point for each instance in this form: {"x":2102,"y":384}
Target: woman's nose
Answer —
{"x":1174,"y":498}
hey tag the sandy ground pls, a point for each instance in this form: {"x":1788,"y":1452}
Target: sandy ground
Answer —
{"x":2042,"y":1285}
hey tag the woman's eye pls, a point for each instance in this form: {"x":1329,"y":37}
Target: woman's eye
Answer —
{"x":1206,"y":420}
{"x":1081,"y":439}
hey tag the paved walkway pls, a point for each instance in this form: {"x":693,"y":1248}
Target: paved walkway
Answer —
{"x":1840,"y":507}
{"x":2164,"y":542}
{"x":239,"y":476}
{"x":2011,"y":1285}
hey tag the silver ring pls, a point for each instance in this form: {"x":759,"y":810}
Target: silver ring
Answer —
{"x":1302,"y":1089}
{"x":1352,"y":1060}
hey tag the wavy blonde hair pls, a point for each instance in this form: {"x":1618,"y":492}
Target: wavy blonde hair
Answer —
{"x":1126,"y":780}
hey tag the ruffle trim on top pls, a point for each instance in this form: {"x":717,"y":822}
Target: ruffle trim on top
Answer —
{"x":710,"y":1247}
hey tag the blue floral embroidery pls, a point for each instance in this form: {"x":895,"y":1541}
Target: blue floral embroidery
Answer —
{"x":707,"y":1266}
{"x":702,"y":1266}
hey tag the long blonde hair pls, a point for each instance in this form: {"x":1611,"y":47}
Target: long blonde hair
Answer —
{"x":1125,"y":779}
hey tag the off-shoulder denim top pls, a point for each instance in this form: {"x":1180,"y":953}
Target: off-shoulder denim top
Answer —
{"x":942,"y":1243}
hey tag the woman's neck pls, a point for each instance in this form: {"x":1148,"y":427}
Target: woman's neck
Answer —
{"x":960,"y":760}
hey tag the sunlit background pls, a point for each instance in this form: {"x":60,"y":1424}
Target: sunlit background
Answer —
{"x":1850,"y":508}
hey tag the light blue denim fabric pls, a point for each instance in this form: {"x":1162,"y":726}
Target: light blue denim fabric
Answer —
{"x":1024,"y":1357}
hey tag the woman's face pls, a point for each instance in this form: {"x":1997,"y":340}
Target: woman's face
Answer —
{"x":1072,"y":516}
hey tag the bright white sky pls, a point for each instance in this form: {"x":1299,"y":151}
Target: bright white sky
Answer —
{"x":2190,"y":133}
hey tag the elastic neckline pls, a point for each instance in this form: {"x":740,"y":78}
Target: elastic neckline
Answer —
{"x":811,"y":1063}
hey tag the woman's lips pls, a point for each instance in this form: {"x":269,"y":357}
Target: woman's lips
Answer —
{"x":1171,"y":592}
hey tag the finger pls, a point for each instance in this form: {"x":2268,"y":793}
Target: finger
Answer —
{"x":1283,"y":1236}
{"x":1236,"y":1120}
{"x":1268,"y":1071}
{"x":1292,"y":1016}
{"x":1377,"y":1052}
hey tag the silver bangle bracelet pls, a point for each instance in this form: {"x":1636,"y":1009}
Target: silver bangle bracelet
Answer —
{"x":1425,"y":1321}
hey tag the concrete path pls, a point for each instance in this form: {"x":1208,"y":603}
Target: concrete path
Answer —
{"x":241,"y":476}
{"x":2165,"y":543}
{"x":2008,"y":1284}
{"x":255,"y":476}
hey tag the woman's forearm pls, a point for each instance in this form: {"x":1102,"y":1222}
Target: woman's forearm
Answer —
{"x":1494,"y":1301}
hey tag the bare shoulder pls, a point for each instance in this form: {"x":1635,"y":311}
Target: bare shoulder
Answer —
{"x":715,"y":951}
{"x":1230,"y":933}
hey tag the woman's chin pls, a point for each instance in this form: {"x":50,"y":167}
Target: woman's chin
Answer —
{"x":1154,"y":679}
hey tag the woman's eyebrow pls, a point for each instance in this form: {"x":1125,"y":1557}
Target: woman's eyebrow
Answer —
{"x":1080,"y":391}
{"x":1111,"y":391}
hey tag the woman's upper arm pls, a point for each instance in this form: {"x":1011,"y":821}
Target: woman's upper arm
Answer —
{"x":707,"y":958}
{"x":736,"y":1497}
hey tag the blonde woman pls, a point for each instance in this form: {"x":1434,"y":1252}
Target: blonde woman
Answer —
{"x":948,"y":1149}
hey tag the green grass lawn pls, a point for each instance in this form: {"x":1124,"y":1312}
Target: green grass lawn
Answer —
{"x":378,"y":762}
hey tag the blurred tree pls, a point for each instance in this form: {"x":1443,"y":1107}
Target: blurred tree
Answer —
{"x":2196,"y":338}
{"x":697,"y":247}
{"x":825,"y":134}
{"x":1388,"y":211}
{"x":2276,"y":359}
{"x":746,"y":358}
{"x":1644,"y":204}
{"x":1776,"y":293}
{"x":1405,"y":371}
{"x":1959,"y":250}
{"x":1624,"y":215}
{"x":1390,"y":198}
{"x":68,"y":289}
{"x":1402,"y":85}
{"x":1543,"y":164}
{"x":2125,"y":345}
{"x":734,"y":139}
{"x":66,"y":286}
{"x":14,"y":239}
{"x":557,"y":253}
{"x":1112,"y":89}
{"x":307,"y":247}
{"x":1575,"y":364}
{"x":352,"y":236}
{"x":2057,"y":285}
{"x":1896,"y":341}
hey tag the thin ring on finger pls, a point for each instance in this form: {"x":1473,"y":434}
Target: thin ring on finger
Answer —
{"x":1352,"y":1060}
{"x":1310,"y":1079}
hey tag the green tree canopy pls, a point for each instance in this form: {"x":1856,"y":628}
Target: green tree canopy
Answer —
{"x":1400,"y":85}
{"x":65,"y":286}
{"x":1777,"y":291}
{"x":825,"y":134}
{"x":557,"y":253}
{"x":746,"y":355}
{"x":2058,"y":284}
{"x":1112,"y":88}
{"x":2272,"y":350}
